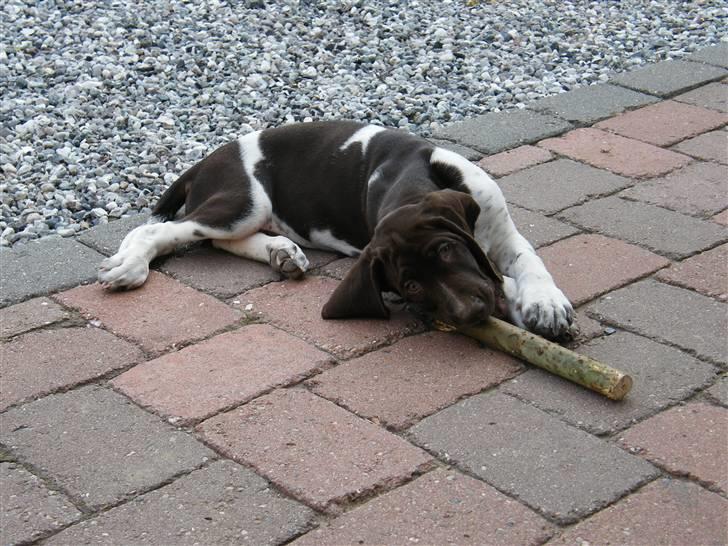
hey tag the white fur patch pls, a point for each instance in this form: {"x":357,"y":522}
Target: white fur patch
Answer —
{"x":534,"y":300}
{"x":260,"y":247}
{"x":362,"y":136}
{"x":494,"y":224}
{"x":447,"y":157}
{"x":129,"y":267}
{"x":323,"y":238}
{"x":262,"y":208}
{"x":376,"y":175}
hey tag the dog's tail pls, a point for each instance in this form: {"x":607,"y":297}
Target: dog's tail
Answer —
{"x":175,"y":196}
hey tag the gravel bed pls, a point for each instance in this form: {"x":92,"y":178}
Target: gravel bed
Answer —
{"x":106,"y":103}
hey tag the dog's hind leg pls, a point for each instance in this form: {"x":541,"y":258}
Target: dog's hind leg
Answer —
{"x":129,"y":267}
{"x":223,"y":199}
{"x":281,"y":253}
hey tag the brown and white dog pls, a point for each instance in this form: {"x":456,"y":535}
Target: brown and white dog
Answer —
{"x":424,"y":222}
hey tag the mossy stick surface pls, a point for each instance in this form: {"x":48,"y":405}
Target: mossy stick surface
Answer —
{"x":552,"y":357}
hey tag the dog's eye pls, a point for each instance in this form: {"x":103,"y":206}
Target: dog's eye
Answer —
{"x":412,"y":287}
{"x":444,"y":250}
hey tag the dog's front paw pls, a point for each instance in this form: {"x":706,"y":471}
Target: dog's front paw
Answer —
{"x":543,"y":309}
{"x":123,"y":272}
{"x":289,"y":260}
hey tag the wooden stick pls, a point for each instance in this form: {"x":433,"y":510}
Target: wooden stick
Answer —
{"x":554,"y":358}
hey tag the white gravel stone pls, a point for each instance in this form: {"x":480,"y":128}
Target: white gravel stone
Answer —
{"x":104,"y":104}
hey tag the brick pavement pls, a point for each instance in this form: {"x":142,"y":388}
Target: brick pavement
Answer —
{"x":214,"y":405}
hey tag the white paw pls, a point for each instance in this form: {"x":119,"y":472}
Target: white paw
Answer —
{"x":543,"y":309}
{"x":123,"y":272}
{"x":288,"y":259}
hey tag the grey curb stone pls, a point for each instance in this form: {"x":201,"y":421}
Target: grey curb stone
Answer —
{"x":538,"y":229}
{"x":225,"y":275}
{"x":669,"y":77}
{"x":221,"y":504}
{"x":713,"y":96}
{"x":98,"y":445}
{"x":28,"y":509}
{"x":217,"y":272}
{"x":699,"y":189}
{"x":555,"y":468}
{"x":662,"y":376}
{"x":106,"y":238}
{"x":467,"y":153}
{"x":587,"y":105}
{"x":717,"y":55}
{"x":41,"y":267}
{"x":668,"y":313}
{"x":556,"y":185}
{"x":499,"y":131}
{"x":663,"y":231}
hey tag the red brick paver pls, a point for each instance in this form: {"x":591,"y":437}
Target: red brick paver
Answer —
{"x":618,"y":154}
{"x":296,"y":306}
{"x":40,"y":362}
{"x":225,"y":370}
{"x":311,"y":448}
{"x":415,"y":377}
{"x":442,"y":507}
{"x":701,"y":189}
{"x":29,"y":315}
{"x":588,"y":328}
{"x":706,"y":272}
{"x":514,"y":160}
{"x":663,"y":512}
{"x":664,"y":123}
{"x":161,"y":313}
{"x":586,"y":266}
{"x":721,"y":218}
{"x":688,"y":440}
{"x":711,"y":146}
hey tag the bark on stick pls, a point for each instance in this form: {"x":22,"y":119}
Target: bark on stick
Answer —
{"x":552,"y":357}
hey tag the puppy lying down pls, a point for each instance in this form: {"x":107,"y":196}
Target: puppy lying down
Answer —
{"x":423,"y":222}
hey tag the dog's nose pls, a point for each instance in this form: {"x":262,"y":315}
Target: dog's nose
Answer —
{"x":470,"y":311}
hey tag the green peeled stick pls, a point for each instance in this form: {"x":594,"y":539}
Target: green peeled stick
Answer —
{"x":552,"y":357}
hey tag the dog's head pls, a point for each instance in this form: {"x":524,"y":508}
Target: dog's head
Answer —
{"x":427,"y":254}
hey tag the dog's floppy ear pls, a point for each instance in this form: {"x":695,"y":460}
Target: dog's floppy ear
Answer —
{"x":485,"y":263}
{"x":456,"y":206}
{"x":359,"y":295}
{"x":460,"y":209}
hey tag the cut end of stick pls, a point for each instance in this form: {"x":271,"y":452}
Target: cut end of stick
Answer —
{"x":620,"y":388}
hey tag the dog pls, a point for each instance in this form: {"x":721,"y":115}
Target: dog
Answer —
{"x":424,"y":222}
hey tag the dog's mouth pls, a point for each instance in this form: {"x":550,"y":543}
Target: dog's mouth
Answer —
{"x":498,"y":310}
{"x":443,"y":326}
